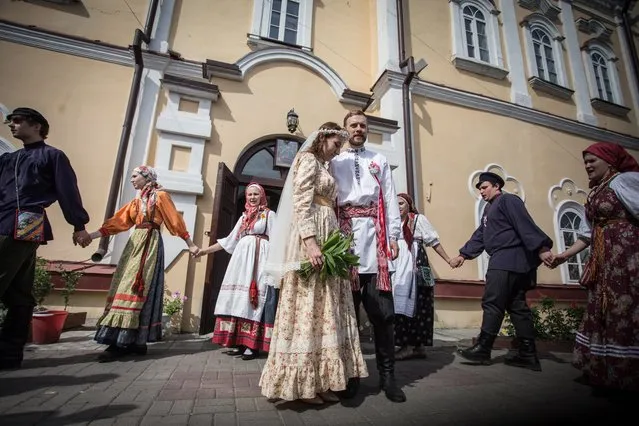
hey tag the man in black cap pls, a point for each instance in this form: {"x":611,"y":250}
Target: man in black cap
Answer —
{"x":31,"y":179}
{"x":516,"y":247}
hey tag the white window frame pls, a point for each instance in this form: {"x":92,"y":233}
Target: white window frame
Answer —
{"x":262,"y":16}
{"x":607,"y":53}
{"x":562,"y":208}
{"x":495,"y":66}
{"x":542,"y":23}
{"x":6,"y":146}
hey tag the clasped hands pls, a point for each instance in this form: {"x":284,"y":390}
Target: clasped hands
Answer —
{"x":545,"y":255}
{"x":81,"y":237}
{"x":84,"y":239}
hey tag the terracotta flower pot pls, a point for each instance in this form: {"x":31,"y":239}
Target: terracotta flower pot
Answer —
{"x":47,"y":326}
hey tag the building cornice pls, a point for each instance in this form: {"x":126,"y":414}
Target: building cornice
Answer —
{"x":96,"y":50}
{"x":391,"y":79}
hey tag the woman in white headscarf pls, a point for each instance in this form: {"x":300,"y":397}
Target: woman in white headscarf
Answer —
{"x":133,"y":313}
{"x":315,"y":346}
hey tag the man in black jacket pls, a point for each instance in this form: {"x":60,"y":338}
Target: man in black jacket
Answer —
{"x":31,"y":179}
{"x":516,"y":247}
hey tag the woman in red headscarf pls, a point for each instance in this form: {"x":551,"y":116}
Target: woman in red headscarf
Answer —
{"x":413,"y":282}
{"x":242,"y":323}
{"x":607,"y":343}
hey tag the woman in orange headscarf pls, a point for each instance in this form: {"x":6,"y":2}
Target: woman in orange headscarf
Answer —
{"x":607,"y":343}
{"x":242,"y":322}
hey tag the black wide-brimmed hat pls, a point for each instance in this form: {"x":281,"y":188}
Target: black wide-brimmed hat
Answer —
{"x":493,"y":178}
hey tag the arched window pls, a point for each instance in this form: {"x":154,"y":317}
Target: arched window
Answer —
{"x":476,"y":37}
{"x":603,"y":78}
{"x":476,"y":41}
{"x":260,"y":165}
{"x":545,"y":56}
{"x":570,"y":219}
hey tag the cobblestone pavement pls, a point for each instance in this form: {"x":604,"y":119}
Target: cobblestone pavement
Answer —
{"x":188,"y":381}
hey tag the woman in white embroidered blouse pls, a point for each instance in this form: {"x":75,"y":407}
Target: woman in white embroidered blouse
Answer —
{"x":413,"y":282}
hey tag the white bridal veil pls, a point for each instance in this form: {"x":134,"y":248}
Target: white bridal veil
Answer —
{"x":276,"y":265}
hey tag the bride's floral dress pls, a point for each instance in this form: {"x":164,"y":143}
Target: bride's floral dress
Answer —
{"x":315,"y":344}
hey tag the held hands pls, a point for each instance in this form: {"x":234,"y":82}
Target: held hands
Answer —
{"x":195,"y":251}
{"x":456,"y":262}
{"x":81,"y":237}
{"x":314,"y":253}
{"x":547,"y":257}
{"x":559,"y":259}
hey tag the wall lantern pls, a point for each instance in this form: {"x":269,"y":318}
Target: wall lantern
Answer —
{"x":292,"y":120}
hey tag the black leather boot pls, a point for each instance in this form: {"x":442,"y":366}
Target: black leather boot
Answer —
{"x":385,"y":356}
{"x":480,"y":352}
{"x":14,"y":335}
{"x":526,"y":357}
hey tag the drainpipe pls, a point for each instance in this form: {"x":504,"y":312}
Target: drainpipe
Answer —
{"x":627,"y":27}
{"x":409,"y":65}
{"x":116,"y":180}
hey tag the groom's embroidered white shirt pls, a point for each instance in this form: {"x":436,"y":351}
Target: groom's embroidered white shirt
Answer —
{"x":363,"y":192}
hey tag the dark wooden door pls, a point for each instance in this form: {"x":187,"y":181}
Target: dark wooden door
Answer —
{"x":222,"y":222}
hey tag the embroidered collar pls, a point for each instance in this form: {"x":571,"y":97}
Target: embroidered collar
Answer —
{"x":360,"y":149}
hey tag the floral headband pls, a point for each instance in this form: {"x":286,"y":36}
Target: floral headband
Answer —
{"x":342,"y":133}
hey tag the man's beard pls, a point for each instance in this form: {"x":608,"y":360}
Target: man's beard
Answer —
{"x":353,"y":142}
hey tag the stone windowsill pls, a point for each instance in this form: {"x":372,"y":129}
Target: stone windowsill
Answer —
{"x":479,"y":67}
{"x":549,"y":88}
{"x":609,"y":107}
{"x":258,"y":42}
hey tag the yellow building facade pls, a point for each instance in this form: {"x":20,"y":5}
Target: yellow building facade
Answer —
{"x":200,"y":90}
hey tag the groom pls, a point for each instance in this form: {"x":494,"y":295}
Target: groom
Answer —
{"x":367,"y":207}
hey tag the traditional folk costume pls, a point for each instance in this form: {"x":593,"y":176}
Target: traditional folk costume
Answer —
{"x":32,"y":179}
{"x":413,"y":283}
{"x":367,"y":208}
{"x":315,"y":346}
{"x":133,"y":313}
{"x":241,"y":320}
{"x":607,"y":343}
{"x":513,"y":241}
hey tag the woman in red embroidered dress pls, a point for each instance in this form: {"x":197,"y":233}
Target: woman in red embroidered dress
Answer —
{"x":607,"y":343}
{"x":245,"y":305}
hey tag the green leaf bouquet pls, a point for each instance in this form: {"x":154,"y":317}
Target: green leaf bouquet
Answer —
{"x":338,"y":258}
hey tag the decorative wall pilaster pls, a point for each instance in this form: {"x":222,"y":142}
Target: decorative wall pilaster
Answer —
{"x":577,"y":69}
{"x":183,"y":126}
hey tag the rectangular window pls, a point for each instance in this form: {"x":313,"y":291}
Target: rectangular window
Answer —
{"x":284,"y":21}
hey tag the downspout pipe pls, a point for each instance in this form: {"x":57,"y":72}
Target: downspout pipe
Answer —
{"x":407,"y":63}
{"x":627,"y":27}
{"x":139,"y":37}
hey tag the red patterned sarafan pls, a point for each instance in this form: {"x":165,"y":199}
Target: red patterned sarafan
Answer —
{"x":607,"y":343}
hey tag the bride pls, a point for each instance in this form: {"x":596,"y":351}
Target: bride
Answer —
{"x":315,"y":345}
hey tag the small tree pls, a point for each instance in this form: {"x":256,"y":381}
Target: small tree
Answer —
{"x":70,"y":280}
{"x":42,"y":285}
